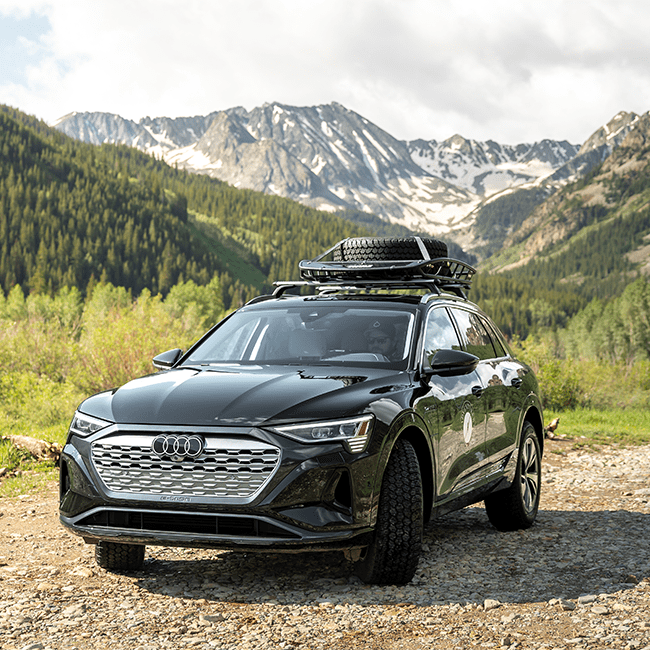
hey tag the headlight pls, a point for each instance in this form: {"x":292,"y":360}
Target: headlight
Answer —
{"x":85,"y":425}
{"x":354,"y":432}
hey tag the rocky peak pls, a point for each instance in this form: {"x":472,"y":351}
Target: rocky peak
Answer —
{"x":612,"y":133}
{"x":225,"y":134}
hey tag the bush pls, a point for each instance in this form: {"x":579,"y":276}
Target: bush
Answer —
{"x":118,"y":342}
{"x":199,"y":307}
{"x":559,"y":379}
{"x":56,"y":350}
{"x":560,"y":386}
{"x":36,"y":406}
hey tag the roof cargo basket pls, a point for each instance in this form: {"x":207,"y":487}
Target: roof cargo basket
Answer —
{"x":376,"y":264}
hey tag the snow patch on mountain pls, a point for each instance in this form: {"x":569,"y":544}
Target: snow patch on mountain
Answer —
{"x":486,"y":168}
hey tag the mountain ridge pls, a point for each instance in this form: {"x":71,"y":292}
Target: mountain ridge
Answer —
{"x":328,"y":157}
{"x":563,"y":214}
{"x":73,"y":211}
{"x":360,"y":166}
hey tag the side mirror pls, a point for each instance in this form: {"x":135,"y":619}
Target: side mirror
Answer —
{"x":167,"y":359}
{"x":449,"y":363}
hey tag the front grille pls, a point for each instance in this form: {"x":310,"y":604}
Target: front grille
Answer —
{"x":174,"y":522}
{"x":227,"y":468}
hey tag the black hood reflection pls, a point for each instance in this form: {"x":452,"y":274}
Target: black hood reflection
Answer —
{"x":238,"y":396}
{"x":345,"y":380}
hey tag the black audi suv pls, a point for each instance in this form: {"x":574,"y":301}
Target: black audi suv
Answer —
{"x":344,"y":411}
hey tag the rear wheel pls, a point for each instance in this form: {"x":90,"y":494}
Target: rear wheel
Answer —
{"x":517,"y":506}
{"x":119,"y":557}
{"x":393,"y":556}
{"x":368,"y":249}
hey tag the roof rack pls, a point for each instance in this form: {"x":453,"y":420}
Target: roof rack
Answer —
{"x":441,"y":270}
{"x":432,"y":275}
{"x":324,"y":287}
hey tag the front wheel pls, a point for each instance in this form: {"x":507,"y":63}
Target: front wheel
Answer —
{"x":119,"y":557}
{"x":393,"y":556}
{"x":516,"y":507}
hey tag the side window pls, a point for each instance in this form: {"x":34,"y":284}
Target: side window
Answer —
{"x":474,"y":335}
{"x":496,"y":339}
{"x":440,"y":333}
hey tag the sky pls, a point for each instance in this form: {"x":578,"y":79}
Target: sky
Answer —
{"x":512,"y":71}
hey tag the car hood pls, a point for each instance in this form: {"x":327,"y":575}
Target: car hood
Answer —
{"x":249,"y":396}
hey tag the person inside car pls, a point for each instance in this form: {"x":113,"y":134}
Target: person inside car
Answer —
{"x":381,"y":340}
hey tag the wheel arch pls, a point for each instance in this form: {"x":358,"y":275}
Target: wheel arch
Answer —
{"x":534,"y":416}
{"x":410,"y":427}
{"x":423,"y":451}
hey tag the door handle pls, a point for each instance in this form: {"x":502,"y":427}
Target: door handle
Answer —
{"x":477,"y":391}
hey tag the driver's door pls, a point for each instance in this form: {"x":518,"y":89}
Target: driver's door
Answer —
{"x":453,"y":411}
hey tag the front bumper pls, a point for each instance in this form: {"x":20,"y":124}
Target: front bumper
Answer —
{"x":221,"y":531}
{"x":316,"y":496}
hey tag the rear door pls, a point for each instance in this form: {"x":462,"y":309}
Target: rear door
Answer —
{"x":506,"y":395}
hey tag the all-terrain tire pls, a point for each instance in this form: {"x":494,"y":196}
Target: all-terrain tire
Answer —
{"x":393,"y":556}
{"x":119,"y":557}
{"x":366,"y":249}
{"x":516,"y":507}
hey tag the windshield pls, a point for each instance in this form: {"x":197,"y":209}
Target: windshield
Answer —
{"x":309,"y":333}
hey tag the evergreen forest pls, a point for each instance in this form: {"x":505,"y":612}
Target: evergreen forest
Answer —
{"x":74,"y":215}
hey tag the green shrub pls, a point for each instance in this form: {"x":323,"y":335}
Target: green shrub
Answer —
{"x":36,"y":406}
{"x":119,"y":344}
{"x":560,"y":387}
{"x":199,"y":307}
{"x":560,"y":380}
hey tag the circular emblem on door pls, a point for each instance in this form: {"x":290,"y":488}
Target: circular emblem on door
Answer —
{"x":177,"y":447}
{"x":467,"y":427}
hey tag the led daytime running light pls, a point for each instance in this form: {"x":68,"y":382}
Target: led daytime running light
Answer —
{"x":85,"y":425}
{"x":354,"y":432}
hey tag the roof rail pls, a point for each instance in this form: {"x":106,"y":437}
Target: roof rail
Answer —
{"x":325,"y":287}
{"x":457,"y":280}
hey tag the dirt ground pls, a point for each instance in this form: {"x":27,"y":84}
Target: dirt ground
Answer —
{"x":580,"y":578}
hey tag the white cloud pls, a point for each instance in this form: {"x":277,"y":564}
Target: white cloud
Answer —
{"x":510,"y":70}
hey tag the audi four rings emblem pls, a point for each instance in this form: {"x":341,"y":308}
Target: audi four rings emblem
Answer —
{"x":177,"y":446}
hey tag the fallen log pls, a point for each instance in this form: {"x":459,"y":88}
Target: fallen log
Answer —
{"x":40,"y":449}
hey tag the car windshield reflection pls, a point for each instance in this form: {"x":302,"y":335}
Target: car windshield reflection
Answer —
{"x":317,"y":336}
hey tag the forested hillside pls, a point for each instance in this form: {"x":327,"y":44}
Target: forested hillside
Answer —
{"x":579,"y":233}
{"x":588,"y":241}
{"x":73,"y":214}
{"x":501,"y":215}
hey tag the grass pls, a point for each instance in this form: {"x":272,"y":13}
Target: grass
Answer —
{"x":24,"y":474}
{"x":39,"y":408}
{"x":10,"y":456}
{"x":32,"y":477}
{"x":584,"y":426}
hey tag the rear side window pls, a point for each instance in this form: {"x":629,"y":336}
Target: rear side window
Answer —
{"x":474,"y":335}
{"x":496,"y":339}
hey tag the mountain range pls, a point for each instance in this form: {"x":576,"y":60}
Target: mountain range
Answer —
{"x":331,"y":158}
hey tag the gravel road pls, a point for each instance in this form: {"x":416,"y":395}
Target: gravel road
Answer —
{"x":580,"y":578}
